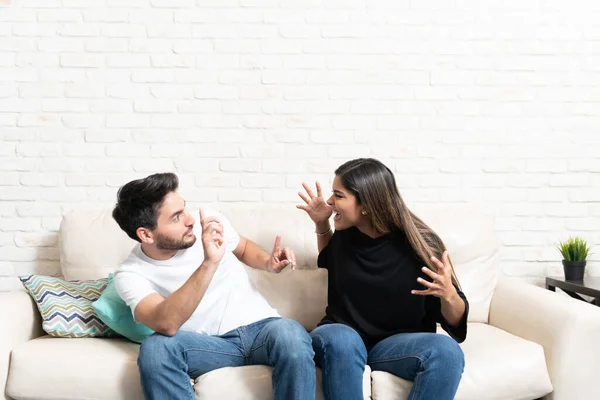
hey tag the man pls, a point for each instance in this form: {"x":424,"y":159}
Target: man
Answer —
{"x":198,"y":298}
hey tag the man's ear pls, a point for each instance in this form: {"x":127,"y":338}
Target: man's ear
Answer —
{"x":145,"y":235}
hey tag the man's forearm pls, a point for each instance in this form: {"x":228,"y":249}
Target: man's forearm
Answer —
{"x":176,"y":309}
{"x":254,"y":256}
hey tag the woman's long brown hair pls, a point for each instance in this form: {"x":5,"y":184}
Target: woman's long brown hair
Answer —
{"x":374,"y":186}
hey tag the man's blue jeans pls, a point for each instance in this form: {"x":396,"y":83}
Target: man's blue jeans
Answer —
{"x":167,"y":363}
{"x":433,"y":362}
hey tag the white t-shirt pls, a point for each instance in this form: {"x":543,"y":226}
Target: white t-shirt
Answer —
{"x":230,"y":301}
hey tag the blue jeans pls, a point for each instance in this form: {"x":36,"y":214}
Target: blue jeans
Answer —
{"x":167,"y":363}
{"x":433,"y":362}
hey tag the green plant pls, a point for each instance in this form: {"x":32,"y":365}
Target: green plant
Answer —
{"x":574,"y":249}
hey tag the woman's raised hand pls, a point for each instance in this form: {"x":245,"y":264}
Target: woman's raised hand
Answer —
{"x":441,"y":284}
{"x":316,"y":207}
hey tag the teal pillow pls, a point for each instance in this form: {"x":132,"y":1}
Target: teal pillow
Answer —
{"x":116,"y":314}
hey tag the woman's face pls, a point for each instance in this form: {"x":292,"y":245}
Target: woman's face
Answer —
{"x":346,"y":211}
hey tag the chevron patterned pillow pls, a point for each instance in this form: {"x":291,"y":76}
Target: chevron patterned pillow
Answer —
{"x":66,"y":306}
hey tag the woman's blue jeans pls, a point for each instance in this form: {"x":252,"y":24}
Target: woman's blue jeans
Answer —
{"x":434,"y":363}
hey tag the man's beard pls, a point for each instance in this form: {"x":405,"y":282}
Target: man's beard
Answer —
{"x":166,"y":243}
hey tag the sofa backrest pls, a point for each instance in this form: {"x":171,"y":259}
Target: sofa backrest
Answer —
{"x":92,"y":245}
{"x":469,"y":236}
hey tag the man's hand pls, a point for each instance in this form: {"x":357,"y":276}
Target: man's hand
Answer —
{"x":212,"y":239}
{"x":281,"y":257}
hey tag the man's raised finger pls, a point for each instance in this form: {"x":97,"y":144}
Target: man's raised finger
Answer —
{"x":210,"y":220}
{"x":215,"y":229}
{"x":288,"y":254}
{"x":277,"y":244}
{"x":293,"y":259}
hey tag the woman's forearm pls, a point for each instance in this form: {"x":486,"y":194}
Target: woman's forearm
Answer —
{"x":324,"y":233}
{"x":453,"y":309}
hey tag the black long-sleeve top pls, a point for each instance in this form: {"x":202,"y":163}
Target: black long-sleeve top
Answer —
{"x":370,"y":283}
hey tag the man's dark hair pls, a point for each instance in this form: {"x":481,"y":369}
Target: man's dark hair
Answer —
{"x":138,"y":202}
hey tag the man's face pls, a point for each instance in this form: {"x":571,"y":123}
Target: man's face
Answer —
{"x":174,"y":230}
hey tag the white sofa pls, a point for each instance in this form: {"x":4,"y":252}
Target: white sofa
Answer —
{"x":523,"y":342}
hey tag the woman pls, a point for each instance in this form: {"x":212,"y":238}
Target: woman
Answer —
{"x":390,"y":281}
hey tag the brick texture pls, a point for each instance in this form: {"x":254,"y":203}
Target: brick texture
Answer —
{"x":469,"y":101}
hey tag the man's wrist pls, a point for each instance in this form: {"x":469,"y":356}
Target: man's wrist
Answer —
{"x":207,"y":264}
{"x":267,"y":262}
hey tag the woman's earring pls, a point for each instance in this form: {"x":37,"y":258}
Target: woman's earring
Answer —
{"x":364,"y":212}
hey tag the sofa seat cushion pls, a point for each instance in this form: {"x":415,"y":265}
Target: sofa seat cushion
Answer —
{"x":74,"y":369}
{"x":95,"y":368}
{"x":498,"y":365}
{"x":252,"y":383}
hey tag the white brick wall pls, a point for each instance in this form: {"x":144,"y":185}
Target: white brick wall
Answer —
{"x":483,"y":101}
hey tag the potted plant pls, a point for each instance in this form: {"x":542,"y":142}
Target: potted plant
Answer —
{"x":574,"y":251}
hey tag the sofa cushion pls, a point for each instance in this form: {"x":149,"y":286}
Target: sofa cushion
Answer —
{"x":94,"y":368}
{"x":300,"y":294}
{"x":498,"y":365}
{"x":91,"y":244}
{"x":66,"y":306}
{"x":252,"y":383}
{"x":469,"y":236}
{"x":261,"y":223}
{"x":74,"y":369}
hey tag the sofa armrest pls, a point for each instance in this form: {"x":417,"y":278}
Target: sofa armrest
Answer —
{"x":567,"y":329}
{"x":20,"y":321}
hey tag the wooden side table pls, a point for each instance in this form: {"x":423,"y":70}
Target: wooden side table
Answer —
{"x":588,"y":287}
